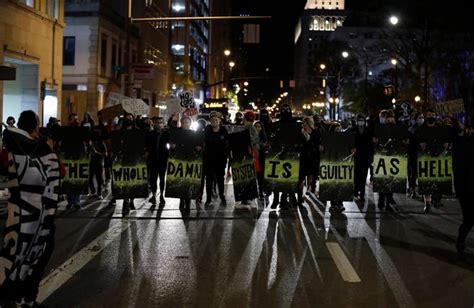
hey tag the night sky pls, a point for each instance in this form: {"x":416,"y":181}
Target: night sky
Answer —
{"x":277,"y":34}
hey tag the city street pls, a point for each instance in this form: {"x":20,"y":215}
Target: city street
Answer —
{"x":221,"y":257}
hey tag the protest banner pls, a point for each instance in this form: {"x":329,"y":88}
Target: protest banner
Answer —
{"x":434,"y":160}
{"x":73,"y":152}
{"x":129,"y":169}
{"x":185,"y":170}
{"x":449,"y":107}
{"x":336,"y":169}
{"x":282,"y":164}
{"x":244,"y":176}
{"x":390,"y":159}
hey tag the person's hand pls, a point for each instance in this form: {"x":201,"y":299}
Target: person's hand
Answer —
{"x":375,"y":140}
{"x":321,"y":148}
{"x":423,"y":146}
{"x":353,"y":150}
{"x":198,"y":148}
{"x":172,"y":146}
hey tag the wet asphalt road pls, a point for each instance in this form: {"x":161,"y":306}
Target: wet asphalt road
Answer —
{"x":259,"y":257}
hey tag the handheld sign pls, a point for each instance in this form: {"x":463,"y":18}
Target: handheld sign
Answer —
{"x":390,"y":159}
{"x":336,"y":169}
{"x":282,"y":164}
{"x":184,"y":173}
{"x":244,"y":176}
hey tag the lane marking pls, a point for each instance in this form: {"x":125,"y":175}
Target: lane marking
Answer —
{"x":384,"y":262}
{"x":343,"y":264}
{"x":70,"y":267}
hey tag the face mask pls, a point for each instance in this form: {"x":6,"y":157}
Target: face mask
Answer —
{"x":361,"y":123}
{"x":430,"y":120}
{"x":382,"y":120}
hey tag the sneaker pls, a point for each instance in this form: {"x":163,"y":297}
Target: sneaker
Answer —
{"x":152,"y":200}
{"x":391,"y":201}
{"x":274,"y":204}
{"x":208,"y":203}
{"x":240,"y":206}
{"x":427,"y":208}
{"x":131,"y":205}
{"x":223,"y":202}
{"x":162,"y":200}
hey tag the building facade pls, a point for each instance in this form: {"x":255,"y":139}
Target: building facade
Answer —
{"x":190,"y":48}
{"x":31,"y":40}
{"x":318,"y":21}
{"x":95,"y":50}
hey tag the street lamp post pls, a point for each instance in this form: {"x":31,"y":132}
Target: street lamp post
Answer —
{"x":395,"y":63}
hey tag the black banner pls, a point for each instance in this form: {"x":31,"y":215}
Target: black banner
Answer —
{"x":390,"y":159}
{"x":282,"y":164}
{"x":129,"y":169}
{"x":184,"y":172}
{"x":244,"y":176}
{"x":73,"y":152}
{"x":336,"y":170}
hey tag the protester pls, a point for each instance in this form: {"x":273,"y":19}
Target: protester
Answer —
{"x":88,"y":121}
{"x":11,"y":121}
{"x":29,"y":238}
{"x":363,"y":156}
{"x":97,"y":152}
{"x":463,"y":173}
{"x":239,"y":117}
{"x":432,"y":144}
{"x":309,"y":158}
{"x":262,"y":138}
{"x":216,"y":153}
{"x":74,"y":199}
{"x":157,"y":159}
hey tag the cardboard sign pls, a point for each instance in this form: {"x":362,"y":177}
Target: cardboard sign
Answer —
{"x":135,"y":106}
{"x":450,"y":107}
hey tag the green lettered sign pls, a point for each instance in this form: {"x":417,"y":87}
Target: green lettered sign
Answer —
{"x":244,"y":179}
{"x":76,"y":180}
{"x":130,"y":181}
{"x":336,"y":180}
{"x":435,"y":174}
{"x":183,"y":178}
{"x":283,"y":174}
{"x":390,"y":173}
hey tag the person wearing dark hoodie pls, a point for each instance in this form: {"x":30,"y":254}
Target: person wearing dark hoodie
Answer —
{"x":157,"y":159}
{"x":216,"y":153}
{"x":362,"y":157}
{"x":286,"y":119}
{"x":463,"y":175}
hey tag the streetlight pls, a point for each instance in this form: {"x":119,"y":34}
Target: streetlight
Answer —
{"x":417,"y":98}
{"x":322,"y":66}
{"x":345,"y":54}
{"x":227,"y":52}
{"x":393,"y":20}
{"x":246,"y":83}
{"x":395,"y":62}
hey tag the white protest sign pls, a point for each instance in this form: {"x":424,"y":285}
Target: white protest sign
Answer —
{"x":135,"y":106}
